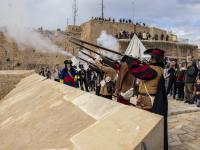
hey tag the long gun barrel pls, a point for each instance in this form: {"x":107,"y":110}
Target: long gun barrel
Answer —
{"x":88,"y":43}
{"x":86,"y":61}
{"x":90,"y":50}
{"x":105,"y":60}
{"x":93,"y":65}
{"x":87,"y":55}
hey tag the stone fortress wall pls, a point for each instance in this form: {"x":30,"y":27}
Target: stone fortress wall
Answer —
{"x":91,"y":30}
{"x":172,"y":49}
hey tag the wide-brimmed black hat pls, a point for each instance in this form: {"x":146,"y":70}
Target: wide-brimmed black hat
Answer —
{"x":68,"y":62}
{"x":156,"y":52}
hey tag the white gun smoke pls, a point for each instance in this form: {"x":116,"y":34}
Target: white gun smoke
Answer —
{"x":16,"y":23}
{"x":110,"y":42}
{"x":81,"y":55}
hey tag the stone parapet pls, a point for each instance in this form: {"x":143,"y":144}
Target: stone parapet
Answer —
{"x":43,"y":114}
{"x":173,"y":49}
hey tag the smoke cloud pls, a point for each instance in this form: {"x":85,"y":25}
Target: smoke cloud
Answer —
{"x":17,"y":25}
{"x":108,"y":41}
{"x":81,"y":55}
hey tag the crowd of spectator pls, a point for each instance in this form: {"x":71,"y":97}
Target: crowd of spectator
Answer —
{"x":85,"y":79}
{"x":128,"y":35}
{"x":104,"y":19}
{"x":183,"y":81}
{"x":45,"y":71}
{"x":123,"y":20}
{"x":141,"y":35}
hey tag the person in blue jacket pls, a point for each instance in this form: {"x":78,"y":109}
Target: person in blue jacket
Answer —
{"x":68,"y":74}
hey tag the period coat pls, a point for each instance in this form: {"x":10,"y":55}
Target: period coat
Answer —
{"x":108,"y":72}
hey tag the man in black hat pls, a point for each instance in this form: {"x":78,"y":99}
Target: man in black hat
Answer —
{"x":68,"y":73}
{"x":152,"y":93}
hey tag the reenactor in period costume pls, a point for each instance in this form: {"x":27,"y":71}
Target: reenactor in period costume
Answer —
{"x":152,"y":94}
{"x":124,"y":84}
{"x":107,"y":84}
{"x":68,"y":74}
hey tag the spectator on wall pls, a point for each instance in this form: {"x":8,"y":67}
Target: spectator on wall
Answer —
{"x":167,"y":38}
{"x":162,"y":37}
{"x":144,"y":36}
{"x":156,"y":37}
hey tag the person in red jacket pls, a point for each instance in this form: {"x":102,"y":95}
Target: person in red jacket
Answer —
{"x":180,"y":82}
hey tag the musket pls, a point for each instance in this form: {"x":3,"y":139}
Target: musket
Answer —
{"x":90,"y":50}
{"x":93,"y":65}
{"x":87,"y":55}
{"x":104,"y":60}
{"x":86,"y":61}
{"x":88,"y":43}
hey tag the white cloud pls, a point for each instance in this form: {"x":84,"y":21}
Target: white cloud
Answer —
{"x":190,"y":33}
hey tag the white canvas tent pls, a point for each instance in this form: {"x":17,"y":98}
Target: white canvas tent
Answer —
{"x":136,"y":49}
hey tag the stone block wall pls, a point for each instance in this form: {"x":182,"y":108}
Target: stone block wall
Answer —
{"x":171,"y":48}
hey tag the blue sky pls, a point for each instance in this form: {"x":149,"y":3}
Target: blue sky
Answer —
{"x":180,"y":16}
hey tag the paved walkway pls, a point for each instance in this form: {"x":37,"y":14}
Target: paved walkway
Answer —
{"x":179,"y":107}
{"x":184,"y":126}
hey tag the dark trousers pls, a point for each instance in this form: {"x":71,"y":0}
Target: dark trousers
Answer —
{"x":57,"y":80}
{"x":175,"y":90}
{"x":98,"y":88}
{"x":198,"y":101}
{"x":171,"y":84}
{"x":92,"y":85}
{"x":189,"y":88}
{"x":180,"y":87}
{"x":83,"y":81}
